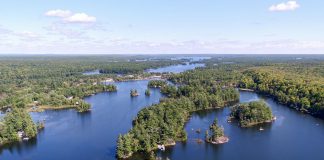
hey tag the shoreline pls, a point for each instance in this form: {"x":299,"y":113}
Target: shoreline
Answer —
{"x":246,"y":89}
{"x":257,"y":123}
{"x":184,"y":140}
{"x":274,"y":98}
{"x":220,"y":140}
{"x":47,"y":107}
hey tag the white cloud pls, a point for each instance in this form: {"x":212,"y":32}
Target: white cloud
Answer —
{"x":285,"y":6}
{"x":80,"y":18}
{"x":70,"y":17}
{"x":58,"y":13}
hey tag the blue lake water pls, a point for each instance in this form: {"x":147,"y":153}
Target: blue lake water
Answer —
{"x":292,"y":136}
{"x":83,"y":136}
{"x":72,"y":135}
{"x":176,"y":68}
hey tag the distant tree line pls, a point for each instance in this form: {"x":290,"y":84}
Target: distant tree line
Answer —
{"x":293,"y":90}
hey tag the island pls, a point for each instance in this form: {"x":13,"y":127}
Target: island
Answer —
{"x":216,"y":134}
{"x":252,"y":113}
{"x":162,"y":125}
{"x":134,"y":93}
{"x":147,"y":92}
{"x":38,"y":83}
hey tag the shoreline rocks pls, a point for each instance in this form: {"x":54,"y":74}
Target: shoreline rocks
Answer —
{"x":220,"y":140}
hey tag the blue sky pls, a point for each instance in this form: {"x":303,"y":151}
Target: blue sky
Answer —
{"x":162,"y":26}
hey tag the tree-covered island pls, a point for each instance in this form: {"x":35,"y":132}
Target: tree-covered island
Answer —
{"x":215,"y":135}
{"x":163,"y":123}
{"x":37,"y":83}
{"x":252,"y":113}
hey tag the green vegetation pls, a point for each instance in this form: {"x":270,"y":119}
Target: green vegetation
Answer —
{"x":303,"y":93}
{"x":55,"y":82}
{"x":35,"y":83}
{"x":135,"y":67}
{"x":252,"y":113}
{"x":163,"y":123}
{"x":215,"y":134}
{"x":83,"y":107}
{"x":293,"y":80}
{"x":17,"y":120}
{"x":51,"y":81}
{"x":156,"y":83}
{"x":40,"y":125}
{"x":147,"y":92}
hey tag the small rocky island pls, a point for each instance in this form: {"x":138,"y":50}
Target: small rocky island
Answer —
{"x":252,"y":113}
{"x":134,"y":93}
{"x":215,"y":135}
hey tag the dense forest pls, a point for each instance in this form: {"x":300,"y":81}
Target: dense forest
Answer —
{"x":199,"y":89}
{"x":35,"y":83}
{"x":303,"y":93}
{"x":17,"y":120}
{"x":156,"y":83}
{"x":49,"y":81}
{"x":252,"y":113}
{"x":163,"y":123}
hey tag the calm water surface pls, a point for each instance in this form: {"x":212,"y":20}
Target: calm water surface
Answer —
{"x":292,"y":136}
{"x":176,"y":68}
{"x":82,"y":136}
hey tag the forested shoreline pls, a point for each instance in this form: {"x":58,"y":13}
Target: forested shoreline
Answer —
{"x":301,"y":94}
{"x":163,"y":123}
{"x":252,"y":113}
{"x":37,"y":83}
{"x":200,"y":89}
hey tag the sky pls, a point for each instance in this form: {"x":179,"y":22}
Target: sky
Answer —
{"x":162,"y":26}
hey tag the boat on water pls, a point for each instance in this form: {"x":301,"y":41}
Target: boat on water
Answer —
{"x":161,"y":147}
{"x":25,"y":139}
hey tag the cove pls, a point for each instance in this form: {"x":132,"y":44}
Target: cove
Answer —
{"x":93,"y":135}
{"x":292,"y":136}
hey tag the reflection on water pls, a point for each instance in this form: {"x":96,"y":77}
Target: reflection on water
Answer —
{"x":93,"y":135}
{"x":90,"y":135}
{"x":292,"y":136}
{"x":20,"y":147}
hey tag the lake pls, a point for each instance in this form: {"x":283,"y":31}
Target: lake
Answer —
{"x":72,"y":135}
{"x":176,"y":68}
{"x":93,"y":135}
{"x":292,"y":136}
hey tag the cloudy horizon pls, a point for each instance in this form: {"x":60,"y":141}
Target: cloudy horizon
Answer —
{"x":162,"y":27}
